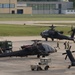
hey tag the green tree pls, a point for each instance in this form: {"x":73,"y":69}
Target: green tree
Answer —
{"x":73,"y":2}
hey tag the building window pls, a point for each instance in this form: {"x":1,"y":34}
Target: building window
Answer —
{"x":40,"y":6}
{"x":5,"y":5}
{"x":0,"y":5}
{"x":29,"y":5}
{"x":52,"y":6}
{"x":34,"y":7}
{"x":46,"y":6}
{"x":71,"y":10}
{"x":12,"y":5}
{"x":19,"y":11}
{"x":67,"y":10}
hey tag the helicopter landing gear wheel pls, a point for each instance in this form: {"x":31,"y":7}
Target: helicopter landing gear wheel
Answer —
{"x":52,"y":39}
{"x":46,"y":39}
{"x":43,"y":55}
{"x":32,"y":69}
{"x":38,"y":56}
{"x":46,"y":68}
{"x":39,"y":68}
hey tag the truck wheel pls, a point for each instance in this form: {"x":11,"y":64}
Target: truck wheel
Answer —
{"x":52,"y":39}
{"x":39,"y":68}
{"x":32,"y":69}
{"x":38,"y":56}
{"x":46,"y":68}
{"x":43,"y":55}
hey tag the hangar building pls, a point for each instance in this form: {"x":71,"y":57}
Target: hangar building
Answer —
{"x":34,"y":6}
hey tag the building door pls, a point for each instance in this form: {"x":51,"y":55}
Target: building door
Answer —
{"x":59,"y":7}
{"x":13,"y":12}
{"x":19,"y":11}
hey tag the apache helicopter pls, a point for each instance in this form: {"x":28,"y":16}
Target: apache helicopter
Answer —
{"x":36,"y":48}
{"x":54,"y":34}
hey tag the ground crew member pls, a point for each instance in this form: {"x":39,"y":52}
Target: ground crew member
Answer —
{"x":1,"y":51}
{"x":65,"y":43}
{"x":68,"y":46}
{"x":58,"y":44}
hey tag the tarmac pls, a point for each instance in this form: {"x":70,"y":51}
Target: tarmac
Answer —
{"x":21,"y":66}
{"x":41,"y":23}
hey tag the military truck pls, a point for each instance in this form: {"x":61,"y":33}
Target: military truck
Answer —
{"x":5,"y":46}
{"x":42,"y":65}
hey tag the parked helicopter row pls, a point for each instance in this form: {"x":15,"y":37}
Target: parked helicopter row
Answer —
{"x":40,"y":49}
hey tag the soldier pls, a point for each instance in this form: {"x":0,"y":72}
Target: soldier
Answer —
{"x":68,"y":46}
{"x":1,"y":51}
{"x":65,"y":43}
{"x":58,"y":44}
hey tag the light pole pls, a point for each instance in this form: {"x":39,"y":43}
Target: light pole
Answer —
{"x":36,"y":9}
